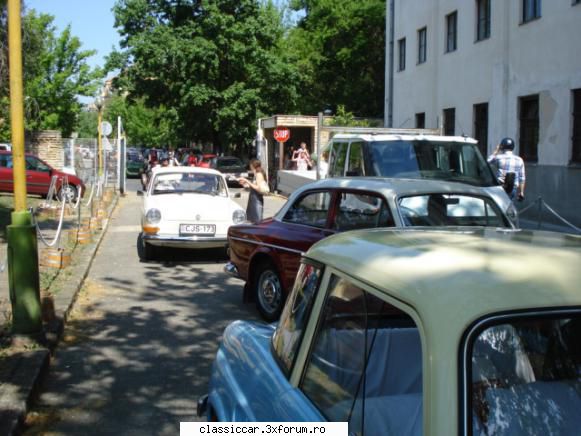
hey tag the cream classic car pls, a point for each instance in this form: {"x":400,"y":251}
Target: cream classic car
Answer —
{"x":473,"y":331}
{"x":187,"y":207}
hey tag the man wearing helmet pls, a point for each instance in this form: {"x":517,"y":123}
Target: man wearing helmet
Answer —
{"x":510,"y":169}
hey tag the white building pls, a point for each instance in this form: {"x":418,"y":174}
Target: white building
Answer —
{"x":490,"y":69}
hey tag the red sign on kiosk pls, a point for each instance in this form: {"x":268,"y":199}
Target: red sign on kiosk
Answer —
{"x":281,"y":134}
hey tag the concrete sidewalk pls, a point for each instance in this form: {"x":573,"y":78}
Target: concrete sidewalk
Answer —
{"x":21,"y":373}
{"x":22,"y":367}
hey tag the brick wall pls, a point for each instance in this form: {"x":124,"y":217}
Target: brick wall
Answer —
{"x":47,"y":145}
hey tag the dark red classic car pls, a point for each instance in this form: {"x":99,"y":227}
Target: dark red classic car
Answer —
{"x":38,"y":177}
{"x":267,"y":254}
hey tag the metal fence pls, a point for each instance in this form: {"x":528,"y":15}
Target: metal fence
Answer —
{"x":81,"y":155}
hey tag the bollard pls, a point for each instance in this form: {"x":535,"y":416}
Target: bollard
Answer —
{"x":80,"y":236}
{"x":55,"y":258}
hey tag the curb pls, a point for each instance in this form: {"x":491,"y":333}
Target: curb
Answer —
{"x":22,"y":374}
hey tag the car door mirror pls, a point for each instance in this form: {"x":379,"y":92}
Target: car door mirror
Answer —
{"x":140,"y":193}
{"x":237,"y":195}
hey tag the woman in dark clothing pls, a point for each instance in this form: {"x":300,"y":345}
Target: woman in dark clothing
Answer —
{"x":258,"y":188}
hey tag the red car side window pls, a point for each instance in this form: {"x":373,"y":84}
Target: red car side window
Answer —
{"x":310,"y":210}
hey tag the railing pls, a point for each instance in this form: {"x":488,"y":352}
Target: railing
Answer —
{"x":540,"y":205}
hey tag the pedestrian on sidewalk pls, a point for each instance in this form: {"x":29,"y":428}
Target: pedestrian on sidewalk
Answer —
{"x":258,"y":188}
{"x":510,"y":169}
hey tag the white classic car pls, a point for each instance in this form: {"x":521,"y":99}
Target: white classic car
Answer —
{"x":187,"y":207}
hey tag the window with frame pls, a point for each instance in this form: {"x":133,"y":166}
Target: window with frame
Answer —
{"x":440,"y":209}
{"x":365,"y":365}
{"x":451,"y":31}
{"x":337,"y":159}
{"x":401,"y":54}
{"x":422,"y":45}
{"x":421,"y":120}
{"x":480,"y":116}
{"x":483,"y":19}
{"x":355,"y":163}
{"x":529,"y":127}
{"x":576,"y":139}
{"x":361,"y":211}
{"x":295,"y":316}
{"x":531,"y":10}
{"x":524,"y":375}
{"x":34,"y":164}
{"x":5,"y":161}
{"x":310,"y":210}
{"x":449,"y":121}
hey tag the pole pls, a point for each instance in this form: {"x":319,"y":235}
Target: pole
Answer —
{"x":100,"y":139}
{"x":23,"y":276}
{"x":390,"y":63}
{"x":320,"y":121}
{"x":121,"y":147}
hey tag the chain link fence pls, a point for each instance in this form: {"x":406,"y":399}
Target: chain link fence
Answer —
{"x":82,"y":156}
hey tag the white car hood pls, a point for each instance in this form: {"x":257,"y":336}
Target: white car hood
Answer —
{"x":192,"y":207}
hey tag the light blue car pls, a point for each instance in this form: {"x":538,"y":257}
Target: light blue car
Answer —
{"x":416,"y":332}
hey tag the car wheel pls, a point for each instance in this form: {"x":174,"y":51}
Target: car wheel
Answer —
{"x":145,"y":251}
{"x":68,"y":193}
{"x":268,"y":292}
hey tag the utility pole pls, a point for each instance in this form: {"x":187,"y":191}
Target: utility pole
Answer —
{"x":22,"y":243}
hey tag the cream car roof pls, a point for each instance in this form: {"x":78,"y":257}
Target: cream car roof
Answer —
{"x":395,"y":137}
{"x":456,"y":277}
{"x":388,"y":187}
{"x":165,"y":170}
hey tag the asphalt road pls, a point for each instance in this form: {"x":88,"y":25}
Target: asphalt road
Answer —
{"x":138,"y":351}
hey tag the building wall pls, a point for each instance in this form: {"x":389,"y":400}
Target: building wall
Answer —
{"x":541,"y":57}
{"x":47,"y":145}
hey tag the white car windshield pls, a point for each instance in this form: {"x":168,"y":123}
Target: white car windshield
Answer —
{"x":182,"y":183}
{"x":419,"y":159}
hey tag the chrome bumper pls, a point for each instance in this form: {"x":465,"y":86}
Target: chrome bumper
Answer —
{"x":185,"y":241}
{"x":231,"y":270}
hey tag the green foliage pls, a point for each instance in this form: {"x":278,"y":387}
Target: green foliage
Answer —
{"x":216,"y":66}
{"x":344,"y":118}
{"x":340,"y":48}
{"x":55,"y":73}
{"x":143,"y":126}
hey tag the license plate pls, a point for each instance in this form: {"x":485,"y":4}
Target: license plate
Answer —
{"x":197,"y":229}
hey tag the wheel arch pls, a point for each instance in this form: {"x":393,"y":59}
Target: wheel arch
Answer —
{"x":260,"y":256}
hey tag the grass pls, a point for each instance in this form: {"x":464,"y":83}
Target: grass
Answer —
{"x":6,"y":208}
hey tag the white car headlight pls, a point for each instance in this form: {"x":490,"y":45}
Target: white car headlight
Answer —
{"x":239,"y":216}
{"x":153,"y":216}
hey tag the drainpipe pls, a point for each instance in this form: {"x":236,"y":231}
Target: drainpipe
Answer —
{"x":390,"y":25}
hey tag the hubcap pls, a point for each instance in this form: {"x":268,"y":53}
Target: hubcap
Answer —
{"x":269,"y":291}
{"x":68,"y":193}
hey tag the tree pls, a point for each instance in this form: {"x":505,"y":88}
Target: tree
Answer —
{"x":55,"y":74}
{"x":340,"y":47}
{"x":217,"y":64}
{"x":143,"y":126}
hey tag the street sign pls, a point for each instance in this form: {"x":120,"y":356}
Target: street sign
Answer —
{"x":281,"y":134}
{"x":106,"y":128}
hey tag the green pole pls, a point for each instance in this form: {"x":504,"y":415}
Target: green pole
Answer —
{"x":22,"y":244}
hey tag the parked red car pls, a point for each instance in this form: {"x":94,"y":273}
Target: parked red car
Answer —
{"x":206,"y":160}
{"x":267,"y":254}
{"x":38,"y":177}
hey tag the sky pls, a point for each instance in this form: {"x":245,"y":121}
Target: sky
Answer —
{"x":91,"y":21}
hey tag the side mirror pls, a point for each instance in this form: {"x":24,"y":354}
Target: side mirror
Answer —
{"x":140,"y":193}
{"x":237,"y":195}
